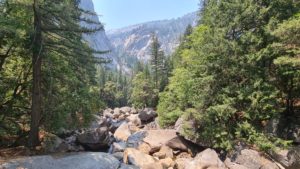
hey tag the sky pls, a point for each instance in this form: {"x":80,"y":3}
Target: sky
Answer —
{"x":121,"y":13}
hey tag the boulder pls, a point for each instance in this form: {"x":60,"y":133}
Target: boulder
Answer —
{"x":180,"y":163}
{"x":164,"y":152}
{"x":144,"y":147}
{"x":125,"y":110}
{"x":117,"y":147}
{"x":125,"y":166}
{"x":118,"y":155}
{"x":122,"y":133}
{"x":53,"y":144}
{"x":178,"y":143}
{"x":147,"y":114}
{"x":294,"y":158}
{"x":78,"y":161}
{"x":156,"y":165}
{"x":116,"y":113}
{"x":157,"y":138}
{"x":114,"y":125}
{"x":108,"y":113}
{"x":98,"y":122}
{"x":152,"y":126}
{"x":95,"y":139}
{"x":179,"y":124}
{"x":134,"y":119}
{"x":252,"y":159}
{"x":232,"y":165}
{"x":206,"y":159}
{"x":136,"y":139}
{"x":133,"y":111}
{"x":137,"y":158}
{"x":167,"y":163}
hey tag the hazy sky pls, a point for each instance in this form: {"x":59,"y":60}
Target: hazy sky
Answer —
{"x":121,"y":13}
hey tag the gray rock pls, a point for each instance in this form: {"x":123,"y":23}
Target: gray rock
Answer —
{"x":178,"y":125}
{"x":118,"y":147}
{"x":95,"y":139}
{"x":147,"y":115}
{"x":125,"y":166}
{"x":294,"y":158}
{"x":135,"y":139}
{"x":252,"y":159}
{"x":118,"y":155}
{"x":72,"y":161}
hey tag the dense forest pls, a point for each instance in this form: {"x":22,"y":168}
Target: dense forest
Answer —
{"x":232,"y":74}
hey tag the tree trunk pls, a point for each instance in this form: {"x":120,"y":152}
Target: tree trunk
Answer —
{"x":36,"y":90}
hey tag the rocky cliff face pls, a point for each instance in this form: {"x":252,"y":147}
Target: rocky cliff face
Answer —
{"x":134,"y":41}
{"x":97,"y":40}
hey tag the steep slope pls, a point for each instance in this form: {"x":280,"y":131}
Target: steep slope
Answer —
{"x":134,"y":41}
{"x":97,"y":40}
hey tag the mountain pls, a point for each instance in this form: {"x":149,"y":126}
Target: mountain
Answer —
{"x":133,"y":42}
{"x":98,"y":40}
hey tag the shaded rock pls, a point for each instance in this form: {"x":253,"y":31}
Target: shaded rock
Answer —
{"x":251,"y":159}
{"x":114,"y":125}
{"x":95,"y":139}
{"x":154,"y":125}
{"x":122,"y":133}
{"x":78,"y":161}
{"x":206,"y":159}
{"x":178,"y":143}
{"x":178,"y":125}
{"x":147,"y":114}
{"x":135,"y":139}
{"x":118,"y":155}
{"x":53,"y":144}
{"x":294,"y":158}
{"x":117,"y":147}
{"x":137,"y":158}
{"x":125,"y":166}
{"x":98,"y":122}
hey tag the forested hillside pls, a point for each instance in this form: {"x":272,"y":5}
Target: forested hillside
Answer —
{"x":235,"y":72}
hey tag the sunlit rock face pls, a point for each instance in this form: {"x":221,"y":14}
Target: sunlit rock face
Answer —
{"x":135,"y":41}
{"x":97,"y":40}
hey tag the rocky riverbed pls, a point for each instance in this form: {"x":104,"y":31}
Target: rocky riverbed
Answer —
{"x":127,"y":138}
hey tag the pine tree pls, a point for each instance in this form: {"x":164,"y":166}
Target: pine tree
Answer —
{"x":156,"y":60}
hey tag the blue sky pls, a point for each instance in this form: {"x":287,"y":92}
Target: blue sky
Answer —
{"x":121,"y":13}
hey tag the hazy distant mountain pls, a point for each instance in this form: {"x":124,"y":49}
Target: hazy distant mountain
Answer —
{"x":134,"y":41}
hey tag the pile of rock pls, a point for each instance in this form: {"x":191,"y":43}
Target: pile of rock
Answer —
{"x":133,"y":139}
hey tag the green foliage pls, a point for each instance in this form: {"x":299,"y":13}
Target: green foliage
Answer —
{"x":233,"y":72}
{"x":68,"y":89}
{"x":143,"y":93}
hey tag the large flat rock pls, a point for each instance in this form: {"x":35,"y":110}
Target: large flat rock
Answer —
{"x":70,"y":161}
